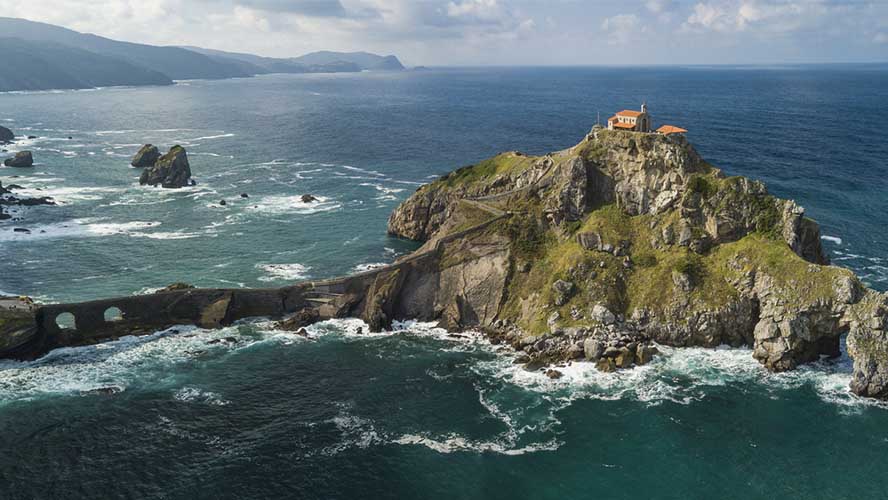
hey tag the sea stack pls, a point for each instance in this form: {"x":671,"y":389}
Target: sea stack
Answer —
{"x":170,"y":170}
{"x":21,"y":159}
{"x":146,"y":157}
{"x":6,"y":135}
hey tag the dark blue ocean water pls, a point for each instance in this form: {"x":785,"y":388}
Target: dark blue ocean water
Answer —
{"x":415,"y":414}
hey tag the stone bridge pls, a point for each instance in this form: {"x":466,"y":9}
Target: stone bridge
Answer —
{"x":51,"y":326}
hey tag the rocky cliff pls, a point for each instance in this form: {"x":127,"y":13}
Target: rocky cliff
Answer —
{"x":628,"y":238}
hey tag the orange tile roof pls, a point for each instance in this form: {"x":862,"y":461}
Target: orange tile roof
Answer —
{"x":624,"y":125}
{"x":613,"y":118}
{"x":629,"y":113}
{"x":671,"y":129}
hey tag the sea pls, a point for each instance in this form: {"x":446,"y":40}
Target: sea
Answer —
{"x":251,"y":412}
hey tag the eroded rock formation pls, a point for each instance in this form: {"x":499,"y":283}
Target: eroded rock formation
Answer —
{"x":170,"y":170}
{"x":21,"y":159}
{"x":147,"y":156}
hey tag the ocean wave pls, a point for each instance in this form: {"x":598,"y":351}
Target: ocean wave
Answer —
{"x":76,"y":228}
{"x":208,"y":137}
{"x":82,"y":370}
{"x":68,"y":194}
{"x":294,"y":204}
{"x":283,"y":272}
{"x":358,"y":169}
{"x":194,"y":395}
{"x":370,"y":266}
{"x":832,"y":239}
{"x":455,"y":443}
{"x":385,"y":193}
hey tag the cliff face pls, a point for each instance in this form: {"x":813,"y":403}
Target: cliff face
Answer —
{"x":627,"y":237}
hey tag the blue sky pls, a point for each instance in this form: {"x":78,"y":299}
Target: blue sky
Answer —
{"x":469,"y":32}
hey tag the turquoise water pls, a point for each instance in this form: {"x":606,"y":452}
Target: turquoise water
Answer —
{"x":250,"y":412}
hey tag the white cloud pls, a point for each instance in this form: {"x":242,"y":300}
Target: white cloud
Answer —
{"x":491,"y":31}
{"x":623,"y":29}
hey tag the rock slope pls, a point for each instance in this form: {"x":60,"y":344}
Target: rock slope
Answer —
{"x":630,"y":238}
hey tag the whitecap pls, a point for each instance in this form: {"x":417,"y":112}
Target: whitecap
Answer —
{"x":208,"y":137}
{"x":832,"y":239}
{"x":455,"y":443}
{"x":283,"y":272}
{"x":76,"y":228}
{"x":195,"y":395}
{"x":370,"y":266}
{"x":294,"y":204}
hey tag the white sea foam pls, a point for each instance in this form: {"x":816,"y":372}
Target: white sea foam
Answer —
{"x":194,"y":395}
{"x":361,"y":268}
{"x":385,"y":193}
{"x":77,"y":228}
{"x":293,"y":204}
{"x":456,"y":443}
{"x":832,"y":239}
{"x":283,"y":272}
{"x":67,"y":194}
{"x":119,"y":363}
{"x":208,"y":137}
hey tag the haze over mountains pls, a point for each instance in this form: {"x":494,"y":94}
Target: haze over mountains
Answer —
{"x":39,"y":56}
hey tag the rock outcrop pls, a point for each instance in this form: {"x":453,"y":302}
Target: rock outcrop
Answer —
{"x":21,"y":159}
{"x":18,"y":323}
{"x":630,"y":238}
{"x":6,"y":135}
{"x":8,"y":198}
{"x":147,"y":156}
{"x":169,"y":171}
{"x":595,"y":253}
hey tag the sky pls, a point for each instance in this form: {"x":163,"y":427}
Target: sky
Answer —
{"x":501,"y":32}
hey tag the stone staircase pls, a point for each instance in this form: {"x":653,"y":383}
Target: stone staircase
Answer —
{"x":326,"y":303}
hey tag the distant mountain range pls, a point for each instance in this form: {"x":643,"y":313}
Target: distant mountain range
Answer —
{"x":39,"y":56}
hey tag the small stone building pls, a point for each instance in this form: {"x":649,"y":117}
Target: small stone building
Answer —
{"x":636,"y":121}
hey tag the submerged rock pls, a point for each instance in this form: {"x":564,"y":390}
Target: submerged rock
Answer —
{"x":307,"y":198}
{"x":146,"y":156}
{"x":21,"y":159}
{"x":169,"y":171}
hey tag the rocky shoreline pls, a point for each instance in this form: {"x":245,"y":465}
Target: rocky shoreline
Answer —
{"x":597,"y":253}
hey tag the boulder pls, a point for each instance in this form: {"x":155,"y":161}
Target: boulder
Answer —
{"x":563,"y":291}
{"x":593,"y":349}
{"x":589,"y":241}
{"x":644,"y":354}
{"x":21,"y":159}
{"x":554,"y":374}
{"x":307,"y":198}
{"x":146,"y":157}
{"x":625,"y":359}
{"x":606,"y":365}
{"x":169,"y":171}
{"x":603,"y":315}
{"x":6,"y":135}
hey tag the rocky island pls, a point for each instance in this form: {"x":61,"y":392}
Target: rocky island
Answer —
{"x":598,"y":252}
